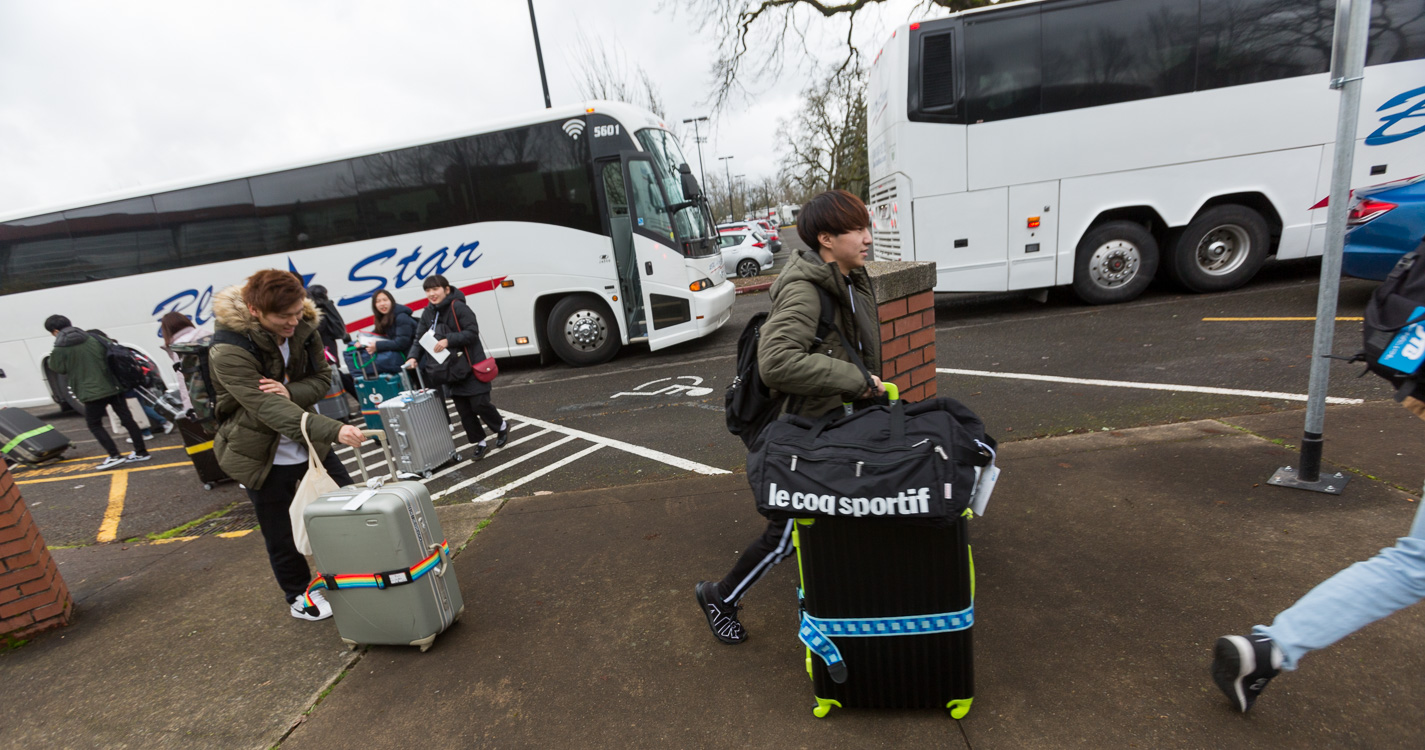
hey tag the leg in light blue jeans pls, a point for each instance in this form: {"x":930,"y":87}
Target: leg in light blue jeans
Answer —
{"x":1354,"y":598}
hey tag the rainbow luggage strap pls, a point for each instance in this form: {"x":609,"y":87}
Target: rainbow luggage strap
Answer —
{"x":398,"y":577}
{"x":817,"y":632}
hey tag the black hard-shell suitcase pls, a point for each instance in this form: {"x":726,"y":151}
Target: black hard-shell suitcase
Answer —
{"x":26,"y":439}
{"x":896,"y":600}
{"x":198,"y":442}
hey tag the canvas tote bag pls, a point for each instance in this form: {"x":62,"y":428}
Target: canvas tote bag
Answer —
{"x":316,"y":483}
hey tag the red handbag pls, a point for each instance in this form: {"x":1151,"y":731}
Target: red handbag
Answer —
{"x":485,"y":370}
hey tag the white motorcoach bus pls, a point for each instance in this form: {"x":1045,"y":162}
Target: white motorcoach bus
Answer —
{"x":1098,"y":142}
{"x":571,"y":231}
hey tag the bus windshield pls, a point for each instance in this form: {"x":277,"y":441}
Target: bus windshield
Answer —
{"x":691,"y":222}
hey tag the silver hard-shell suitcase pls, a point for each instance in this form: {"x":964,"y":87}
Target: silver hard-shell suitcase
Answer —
{"x":419,"y":428}
{"x":370,"y":542}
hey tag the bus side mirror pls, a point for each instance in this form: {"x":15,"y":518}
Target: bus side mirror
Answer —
{"x":691,"y":190}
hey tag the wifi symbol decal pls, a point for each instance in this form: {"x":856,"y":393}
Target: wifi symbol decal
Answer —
{"x":573,"y":128}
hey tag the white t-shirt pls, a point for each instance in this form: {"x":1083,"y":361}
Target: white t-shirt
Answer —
{"x":289,"y":451}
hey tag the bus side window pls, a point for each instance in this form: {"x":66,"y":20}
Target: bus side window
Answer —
{"x":649,"y":213}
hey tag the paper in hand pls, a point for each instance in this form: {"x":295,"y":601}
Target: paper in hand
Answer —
{"x":428,"y":341}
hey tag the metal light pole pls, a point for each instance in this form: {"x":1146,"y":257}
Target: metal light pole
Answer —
{"x":539,"y":54}
{"x":1348,"y":61}
{"x":739,"y":177}
{"x":698,"y":138}
{"x":728,"y":171}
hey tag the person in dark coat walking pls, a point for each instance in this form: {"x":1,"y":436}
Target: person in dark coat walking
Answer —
{"x":81,"y":357}
{"x":332,"y":329}
{"x":457,"y":331}
{"x":396,"y":324}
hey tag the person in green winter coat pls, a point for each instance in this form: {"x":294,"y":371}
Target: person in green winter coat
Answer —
{"x":815,"y":377}
{"x":263,"y":387}
{"x":81,"y":357}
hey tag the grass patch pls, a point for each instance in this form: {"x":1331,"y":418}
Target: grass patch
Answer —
{"x":327,"y":691}
{"x":8,"y":643}
{"x":178,"y":530}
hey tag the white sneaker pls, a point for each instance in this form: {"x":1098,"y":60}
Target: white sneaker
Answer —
{"x":111,"y":462}
{"x":323,"y":609}
{"x":135,"y":458}
{"x":168,"y":427}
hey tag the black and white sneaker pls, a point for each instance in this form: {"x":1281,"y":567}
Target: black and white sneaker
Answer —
{"x":111,"y":462}
{"x":136,"y":457}
{"x":722,"y":617}
{"x":321,"y":609}
{"x":1243,"y":665}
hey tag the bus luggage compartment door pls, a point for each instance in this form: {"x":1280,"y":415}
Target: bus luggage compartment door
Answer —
{"x":1033,"y":234}
{"x":964,"y":234}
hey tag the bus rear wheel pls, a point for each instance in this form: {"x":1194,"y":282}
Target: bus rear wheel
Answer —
{"x":1223,"y":248}
{"x":582,"y":331}
{"x":1115,"y":262}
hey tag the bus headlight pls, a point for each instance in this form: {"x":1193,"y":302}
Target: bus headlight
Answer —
{"x":701,"y":284}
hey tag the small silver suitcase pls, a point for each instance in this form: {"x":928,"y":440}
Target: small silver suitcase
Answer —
{"x":419,"y":428}
{"x":384,"y":561}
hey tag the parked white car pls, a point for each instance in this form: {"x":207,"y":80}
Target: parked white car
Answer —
{"x":744,"y":251}
{"x":773,"y":242}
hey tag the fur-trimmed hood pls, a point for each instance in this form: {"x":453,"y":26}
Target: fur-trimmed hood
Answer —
{"x":230,"y":312}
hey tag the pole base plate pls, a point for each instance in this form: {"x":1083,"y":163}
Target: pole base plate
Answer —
{"x":1330,"y":483}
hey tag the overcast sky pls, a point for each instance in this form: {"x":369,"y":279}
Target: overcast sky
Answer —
{"x":103,"y":96}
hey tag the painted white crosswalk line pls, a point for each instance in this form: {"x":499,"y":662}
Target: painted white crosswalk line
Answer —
{"x":1145,"y":386}
{"x":637,"y":450}
{"x":492,"y":452}
{"x":502,"y":467}
{"x":499,"y":493}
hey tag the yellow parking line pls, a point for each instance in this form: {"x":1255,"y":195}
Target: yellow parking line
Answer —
{"x":1254,"y":320}
{"x":118,"y":488}
{"x":68,"y":477}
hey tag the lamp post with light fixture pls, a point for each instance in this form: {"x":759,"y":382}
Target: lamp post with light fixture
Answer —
{"x":697,"y":138}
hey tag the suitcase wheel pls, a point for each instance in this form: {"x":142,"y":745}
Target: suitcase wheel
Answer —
{"x":959,"y":708}
{"x":823,"y":707}
{"x":427,"y":474}
{"x":207,"y":485}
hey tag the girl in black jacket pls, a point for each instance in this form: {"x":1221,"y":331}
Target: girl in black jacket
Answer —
{"x":396,"y":324}
{"x":457,"y":331}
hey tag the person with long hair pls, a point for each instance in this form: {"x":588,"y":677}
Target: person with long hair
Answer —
{"x":458,"y":332}
{"x":396,"y":324}
{"x":177,"y":328}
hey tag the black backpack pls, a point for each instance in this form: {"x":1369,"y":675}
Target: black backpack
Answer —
{"x":131,"y":369}
{"x":1391,"y":335}
{"x":748,"y":403}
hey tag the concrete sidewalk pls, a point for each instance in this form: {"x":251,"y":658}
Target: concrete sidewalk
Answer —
{"x":1107,"y":565}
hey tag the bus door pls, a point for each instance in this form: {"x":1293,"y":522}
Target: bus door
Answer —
{"x":615,"y":196}
{"x":661,"y":269}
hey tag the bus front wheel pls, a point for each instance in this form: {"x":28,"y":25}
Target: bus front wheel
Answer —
{"x":1114,"y":262}
{"x":1223,"y":248}
{"x":582,"y":331}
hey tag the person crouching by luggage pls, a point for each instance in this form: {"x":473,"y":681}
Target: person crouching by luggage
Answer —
{"x":262,"y":387}
{"x":396,"y":324}
{"x":332,"y":329}
{"x":816,"y":380}
{"x":83,"y":360}
{"x":458,"y":332}
{"x":178,"y":328}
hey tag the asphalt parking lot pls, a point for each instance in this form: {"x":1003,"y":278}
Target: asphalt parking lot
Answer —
{"x":1030,"y":369}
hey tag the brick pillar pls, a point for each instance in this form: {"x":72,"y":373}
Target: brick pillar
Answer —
{"x":33,"y":596}
{"x":903,"y":289}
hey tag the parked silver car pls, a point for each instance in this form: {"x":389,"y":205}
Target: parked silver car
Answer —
{"x":744,"y":251}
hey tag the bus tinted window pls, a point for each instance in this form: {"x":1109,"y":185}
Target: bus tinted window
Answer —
{"x":1397,"y":31}
{"x":1119,"y":50}
{"x":537,"y":173}
{"x":1002,"y":66}
{"x":414,"y":189}
{"x":212,"y":223}
{"x":650,"y":213}
{"x":1247,"y":41}
{"x":35,"y":253}
{"x":308,"y":207}
{"x":118,"y":239}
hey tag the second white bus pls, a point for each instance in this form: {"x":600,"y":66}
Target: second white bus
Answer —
{"x":1096,"y":143}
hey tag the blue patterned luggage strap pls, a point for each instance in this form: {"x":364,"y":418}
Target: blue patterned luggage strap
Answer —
{"x":817,"y":632}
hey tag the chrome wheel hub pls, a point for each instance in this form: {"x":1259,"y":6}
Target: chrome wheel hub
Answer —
{"x":586,"y":330}
{"x":1223,"y":250}
{"x":1115,"y":263}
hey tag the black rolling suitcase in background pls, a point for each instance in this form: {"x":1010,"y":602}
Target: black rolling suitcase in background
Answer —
{"x":198,"y":442}
{"x":887,"y":607}
{"x":24,"y":438}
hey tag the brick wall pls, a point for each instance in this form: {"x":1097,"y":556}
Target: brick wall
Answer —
{"x":908,"y":344}
{"x":33,"y":596}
